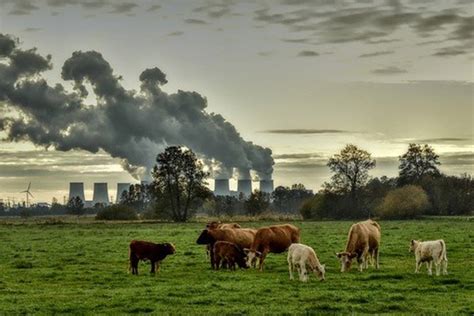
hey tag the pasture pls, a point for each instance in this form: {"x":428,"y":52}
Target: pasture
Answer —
{"x":81,"y":268}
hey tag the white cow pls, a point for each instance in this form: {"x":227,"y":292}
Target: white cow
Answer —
{"x":429,"y":251}
{"x":300,"y":256}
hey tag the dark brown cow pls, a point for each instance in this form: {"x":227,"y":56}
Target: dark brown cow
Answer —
{"x":145,"y":250}
{"x":275,"y":239}
{"x":230,"y":254}
{"x":363,"y":243}
{"x":242,"y":237}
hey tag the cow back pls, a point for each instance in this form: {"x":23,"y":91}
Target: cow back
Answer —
{"x":276,"y":238}
{"x":242,"y":237}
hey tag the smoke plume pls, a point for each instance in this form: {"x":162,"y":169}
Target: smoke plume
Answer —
{"x":133,"y":126}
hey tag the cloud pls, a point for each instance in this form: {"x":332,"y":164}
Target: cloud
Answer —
{"x":300,"y":156}
{"x":32,"y":29}
{"x":304,"y":131}
{"x":391,"y":70}
{"x":130,"y":125}
{"x":176,"y":33}
{"x":154,"y":8}
{"x":216,"y":9}
{"x":125,"y":7}
{"x":296,"y":40}
{"x":308,"y":53}
{"x":195,"y":21}
{"x":443,"y":140}
{"x":451,"y":51}
{"x":387,"y":52}
{"x":458,"y":159}
{"x":21,"y":7}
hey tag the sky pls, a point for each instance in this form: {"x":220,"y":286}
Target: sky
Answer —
{"x":300,"y":77}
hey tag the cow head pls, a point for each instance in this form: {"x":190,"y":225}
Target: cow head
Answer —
{"x":346,"y":260}
{"x":413,"y":245}
{"x":169,"y":248}
{"x":242,"y":260}
{"x":252,"y":256}
{"x":205,"y":238}
{"x":320,"y":271}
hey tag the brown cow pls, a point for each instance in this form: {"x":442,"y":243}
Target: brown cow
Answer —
{"x":275,"y":239}
{"x":145,"y":250}
{"x":218,"y":224}
{"x":230,"y":254}
{"x":363,"y":243}
{"x":242,"y":237}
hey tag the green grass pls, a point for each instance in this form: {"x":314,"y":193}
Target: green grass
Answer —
{"x":81,"y":268}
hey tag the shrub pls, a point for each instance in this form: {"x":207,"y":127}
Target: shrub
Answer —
{"x":116,"y":212}
{"x":406,"y":202}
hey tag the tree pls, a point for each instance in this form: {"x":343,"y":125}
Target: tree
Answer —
{"x":417,"y":162}
{"x":75,"y":206}
{"x":179,"y":178}
{"x":351,"y":171}
{"x":287,"y":199}
{"x":257,"y":202}
{"x":137,"y":196}
{"x":409,"y":201}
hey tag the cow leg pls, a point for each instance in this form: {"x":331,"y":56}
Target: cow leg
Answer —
{"x":152,"y":267}
{"x":429,"y":266}
{"x":157,"y":264}
{"x":290,"y":267}
{"x":134,"y":264}
{"x":262,"y":259}
{"x":217,"y":262}
{"x":303,"y":276}
{"x":438,"y":267}
{"x":417,"y":266}
{"x":376,"y":258}
{"x":211,"y":255}
{"x":445,"y":266}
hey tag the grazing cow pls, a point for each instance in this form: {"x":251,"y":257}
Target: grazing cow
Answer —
{"x":214,"y":225}
{"x":300,"y":256}
{"x":242,"y":237}
{"x":429,"y":251}
{"x":230,"y":254}
{"x":275,"y":239}
{"x":145,"y":250}
{"x":363,"y":243}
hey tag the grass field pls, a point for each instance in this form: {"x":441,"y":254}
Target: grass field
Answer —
{"x":82,"y":268}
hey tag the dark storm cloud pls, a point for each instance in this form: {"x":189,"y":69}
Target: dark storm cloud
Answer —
{"x":374,"y":54}
{"x":20,"y":7}
{"x":130,"y":125}
{"x":391,"y":70}
{"x":308,"y":53}
{"x":216,"y":9}
{"x":125,"y":7}
{"x":154,"y":7}
{"x":195,"y":21}
{"x":304,"y":131}
{"x":451,"y":51}
{"x":296,"y":40}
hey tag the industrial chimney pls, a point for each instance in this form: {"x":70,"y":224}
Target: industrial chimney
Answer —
{"x":121,"y":187}
{"x":76,"y":189}
{"x":221,"y":187}
{"x":101,"y":194}
{"x":266,"y":186}
{"x":244,"y":186}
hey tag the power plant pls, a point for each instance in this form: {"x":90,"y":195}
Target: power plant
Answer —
{"x":266,"y":186}
{"x":76,"y":189}
{"x":244,"y":186}
{"x":101,"y":193}
{"x":121,"y":188}
{"x":221,"y":187}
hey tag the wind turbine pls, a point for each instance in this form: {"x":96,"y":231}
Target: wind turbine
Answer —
{"x":27,"y":193}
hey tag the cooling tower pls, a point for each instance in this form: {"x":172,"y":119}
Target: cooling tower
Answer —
{"x":101,"y":194}
{"x":221,"y":187}
{"x":266,"y":186}
{"x":121,"y":187}
{"x":76,"y":189}
{"x":244,"y":186}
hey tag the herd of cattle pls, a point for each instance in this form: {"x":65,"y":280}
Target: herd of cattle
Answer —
{"x":228,"y":245}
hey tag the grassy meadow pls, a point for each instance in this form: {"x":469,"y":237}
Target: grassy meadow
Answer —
{"x":81,"y":268}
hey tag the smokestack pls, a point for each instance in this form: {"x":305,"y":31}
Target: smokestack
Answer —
{"x":121,"y":187}
{"x":266,"y":186}
{"x":244,"y":186}
{"x":101,"y":194}
{"x":221,"y":187}
{"x":76,"y":189}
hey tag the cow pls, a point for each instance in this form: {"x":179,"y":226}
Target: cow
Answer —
{"x":300,"y":256}
{"x":230,"y":254}
{"x":363,"y":243}
{"x":218,"y":224}
{"x":275,"y":239}
{"x":242,"y":237}
{"x":145,"y":250}
{"x":429,"y":251}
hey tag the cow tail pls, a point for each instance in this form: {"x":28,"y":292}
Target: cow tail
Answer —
{"x":443,"y":254}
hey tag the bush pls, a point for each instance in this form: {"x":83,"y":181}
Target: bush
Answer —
{"x":406,"y":202}
{"x":117,"y":212}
